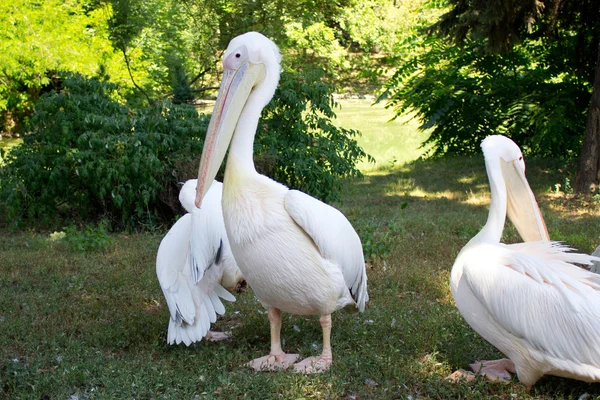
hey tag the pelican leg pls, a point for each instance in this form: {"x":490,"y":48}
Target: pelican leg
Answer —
{"x":322,"y":363}
{"x":494,"y":369}
{"x":276,"y":359}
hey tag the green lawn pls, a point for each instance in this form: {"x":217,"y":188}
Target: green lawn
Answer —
{"x":389,"y":142}
{"x":92,"y":325}
{"x":6,"y":144}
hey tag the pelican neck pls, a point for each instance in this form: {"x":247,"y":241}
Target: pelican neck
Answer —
{"x":241,"y":150}
{"x":492,"y":230}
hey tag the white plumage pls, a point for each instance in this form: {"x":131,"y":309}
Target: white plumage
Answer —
{"x":529,"y":299}
{"x":298,"y":254}
{"x":595,"y":268}
{"x":193,"y":263}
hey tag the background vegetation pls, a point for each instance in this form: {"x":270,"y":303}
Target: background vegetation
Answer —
{"x":105,"y":96}
{"x":533,"y":84}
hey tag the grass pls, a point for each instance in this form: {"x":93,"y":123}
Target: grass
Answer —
{"x":389,"y":142}
{"x":6,"y":144}
{"x":89,"y":321}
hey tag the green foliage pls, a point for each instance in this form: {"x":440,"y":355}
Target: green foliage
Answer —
{"x":377,"y":25}
{"x":89,"y":156}
{"x":466,"y":94}
{"x":39,"y":37}
{"x":297,"y":142}
{"x":166,"y":42}
{"x":316,"y":44}
{"x":89,"y":239}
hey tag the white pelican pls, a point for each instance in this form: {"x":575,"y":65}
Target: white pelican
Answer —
{"x":193,"y":263}
{"x":527,"y":299}
{"x":596,"y":266}
{"x":298,"y":254}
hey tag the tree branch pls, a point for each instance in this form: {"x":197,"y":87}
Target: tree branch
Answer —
{"x":138,"y":87}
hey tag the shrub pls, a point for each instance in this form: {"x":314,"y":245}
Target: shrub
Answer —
{"x":298,"y":144}
{"x":88,"y":156}
{"x":465,"y":94}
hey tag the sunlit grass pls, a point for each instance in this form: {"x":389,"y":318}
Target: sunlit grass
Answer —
{"x":389,"y":142}
{"x":6,"y":144}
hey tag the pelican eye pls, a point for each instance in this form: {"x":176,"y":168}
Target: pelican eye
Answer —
{"x":238,"y":55}
{"x":521,"y":158}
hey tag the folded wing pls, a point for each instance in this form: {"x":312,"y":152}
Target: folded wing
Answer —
{"x":540,"y":296}
{"x":335,"y":238}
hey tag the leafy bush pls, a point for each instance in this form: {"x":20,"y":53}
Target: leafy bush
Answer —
{"x":89,"y":156}
{"x":465,"y":94}
{"x":297,"y":142}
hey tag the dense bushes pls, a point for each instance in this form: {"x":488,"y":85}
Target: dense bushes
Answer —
{"x":90,"y":157}
{"x":465,"y":94}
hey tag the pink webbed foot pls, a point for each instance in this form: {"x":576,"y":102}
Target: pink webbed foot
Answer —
{"x":273,"y":362}
{"x":460,"y":374}
{"x":313,"y":365}
{"x":214,"y":336}
{"x":494,"y":369}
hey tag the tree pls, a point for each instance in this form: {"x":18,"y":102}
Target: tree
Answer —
{"x":40,"y":37}
{"x":507,"y":22}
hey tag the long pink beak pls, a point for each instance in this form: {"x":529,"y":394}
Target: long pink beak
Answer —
{"x":236,"y":86}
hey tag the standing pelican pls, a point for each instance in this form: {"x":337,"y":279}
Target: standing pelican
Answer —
{"x":298,"y":254}
{"x":193,"y":263}
{"x":527,"y":299}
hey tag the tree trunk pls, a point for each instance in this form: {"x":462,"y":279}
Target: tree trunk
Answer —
{"x":588,"y":171}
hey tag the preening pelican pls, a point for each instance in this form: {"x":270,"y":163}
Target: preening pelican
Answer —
{"x":595,"y":268}
{"x":298,"y":254}
{"x":527,"y":299}
{"x":193,"y":264}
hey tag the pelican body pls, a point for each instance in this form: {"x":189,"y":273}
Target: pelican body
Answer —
{"x":527,"y":299}
{"x":193,"y":264}
{"x":298,"y":254}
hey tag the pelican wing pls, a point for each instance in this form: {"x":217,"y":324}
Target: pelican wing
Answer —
{"x":534,"y":292}
{"x":335,"y":238}
{"x":596,"y":266}
{"x":193,"y":306}
{"x":208,"y":232}
{"x":206,"y":243}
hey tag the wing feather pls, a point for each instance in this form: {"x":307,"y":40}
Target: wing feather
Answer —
{"x":335,"y":238}
{"x":207,"y":232}
{"x":545,"y":300}
{"x":192,"y":305}
{"x":224,"y":294}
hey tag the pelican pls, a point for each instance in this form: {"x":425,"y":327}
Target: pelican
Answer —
{"x":596,"y":266}
{"x":193,"y":264}
{"x":527,"y":299}
{"x":298,"y":254}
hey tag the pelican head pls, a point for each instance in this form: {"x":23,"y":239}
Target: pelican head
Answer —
{"x":251,"y":69}
{"x":503,"y":155}
{"x":187,"y":194}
